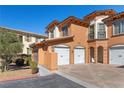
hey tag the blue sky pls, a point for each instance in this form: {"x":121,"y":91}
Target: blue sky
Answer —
{"x":36,"y":18}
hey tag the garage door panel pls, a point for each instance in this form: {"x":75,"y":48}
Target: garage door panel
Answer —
{"x":63,"y":55}
{"x":117,"y":55}
{"x":79,"y":55}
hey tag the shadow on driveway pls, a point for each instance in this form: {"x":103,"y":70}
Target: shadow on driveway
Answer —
{"x":50,"y":81}
{"x":122,"y":66}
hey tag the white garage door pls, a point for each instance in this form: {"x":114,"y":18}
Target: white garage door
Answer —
{"x":117,"y":55}
{"x":63,"y":55}
{"x":79,"y":55}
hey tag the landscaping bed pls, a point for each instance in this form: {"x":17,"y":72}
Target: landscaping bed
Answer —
{"x":25,"y":72}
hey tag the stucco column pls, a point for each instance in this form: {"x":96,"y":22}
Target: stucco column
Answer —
{"x":53,"y":61}
{"x":87,"y":55}
{"x":105,"y":56}
{"x":71,"y":55}
{"x":96,"y":55}
{"x":32,"y":55}
{"x":41,"y":57}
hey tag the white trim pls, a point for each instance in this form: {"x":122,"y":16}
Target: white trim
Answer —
{"x":79,"y":47}
{"x":106,"y":30}
{"x":57,"y":46}
{"x":117,"y":46}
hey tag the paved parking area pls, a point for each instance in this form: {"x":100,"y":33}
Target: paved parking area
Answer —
{"x":50,"y":81}
{"x":100,"y":75}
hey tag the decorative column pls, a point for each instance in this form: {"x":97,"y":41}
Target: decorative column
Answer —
{"x":41,"y":58}
{"x":53,"y":61}
{"x":96,"y":55}
{"x":32,"y":55}
{"x":105,"y":55}
{"x":87,"y":55}
{"x":71,"y":55}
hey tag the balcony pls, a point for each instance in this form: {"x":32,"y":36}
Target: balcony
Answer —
{"x":91,"y":36}
{"x":101,"y":35}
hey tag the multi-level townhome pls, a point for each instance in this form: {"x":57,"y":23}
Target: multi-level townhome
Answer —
{"x":26,"y":38}
{"x":97,"y":38}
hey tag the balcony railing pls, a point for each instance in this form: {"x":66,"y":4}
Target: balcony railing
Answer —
{"x":91,"y":36}
{"x":101,"y":35}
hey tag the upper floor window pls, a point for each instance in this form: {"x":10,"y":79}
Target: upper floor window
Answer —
{"x":52,"y":34}
{"x":118,"y":27}
{"x":28,"y":38}
{"x":101,"y":31}
{"x":122,"y":26}
{"x":28,"y":50}
{"x":101,"y":27}
{"x":65,"y":30}
{"x":92,"y":28}
{"x":91,"y":31}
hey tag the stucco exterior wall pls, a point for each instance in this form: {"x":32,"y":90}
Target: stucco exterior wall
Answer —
{"x":114,"y":40}
{"x":47,"y":58}
{"x":27,"y":44}
{"x":80,"y":39}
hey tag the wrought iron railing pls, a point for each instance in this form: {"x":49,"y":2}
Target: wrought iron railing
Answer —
{"x":91,"y":36}
{"x":101,"y":35}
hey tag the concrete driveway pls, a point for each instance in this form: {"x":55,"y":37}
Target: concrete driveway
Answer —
{"x":99,"y":75}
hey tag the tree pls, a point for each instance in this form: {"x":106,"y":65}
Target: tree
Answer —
{"x":10,"y":45}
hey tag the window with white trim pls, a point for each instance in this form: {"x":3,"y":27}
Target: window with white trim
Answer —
{"x":52,"y":34}
{"x":92,"y":29}
{"x":101,"y":27}
{"x":91,"y":32}
{"x":122,"y":26}
{"x":65,"y":30}
{"x":28,"y":38}
{"x":118,"y":27}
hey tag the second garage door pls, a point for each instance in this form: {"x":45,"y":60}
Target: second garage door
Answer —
{"x":117,"y":55}
{"x":62,"y":55}
{"x":79,"y":55}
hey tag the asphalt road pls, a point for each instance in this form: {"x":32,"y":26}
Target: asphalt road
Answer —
{"x":50,"y":81}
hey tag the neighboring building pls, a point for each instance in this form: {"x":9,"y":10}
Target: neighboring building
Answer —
{"x":26,"y":38}
{"x":97,"y":38}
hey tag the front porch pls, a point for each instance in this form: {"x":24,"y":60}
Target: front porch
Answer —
{"x":98,"y":52}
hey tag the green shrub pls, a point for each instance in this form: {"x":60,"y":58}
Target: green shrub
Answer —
{"x":33,"y":64}
{"x":28,"y":60}
{"x":34,"y":67}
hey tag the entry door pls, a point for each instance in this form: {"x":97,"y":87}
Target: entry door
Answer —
{"x":63,"y":55}
{"x":117,"y":55}
{"x":79,"y":55}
